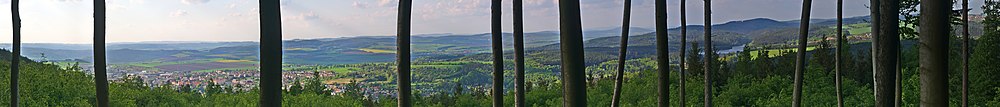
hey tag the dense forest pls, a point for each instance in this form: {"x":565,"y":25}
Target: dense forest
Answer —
{"x":757,"y":76}
{"x":749,"y":78}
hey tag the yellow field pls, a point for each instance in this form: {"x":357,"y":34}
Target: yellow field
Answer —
{"x":376,"y":50}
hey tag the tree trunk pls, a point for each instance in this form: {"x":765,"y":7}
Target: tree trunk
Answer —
{"x":839,"y":53}
{"x":708,"y":53}
{"x":965,"y":53}
{"x":519,"y":54}
{"x":100,"y":55}
{"x":934,"y":48}
{"x":497,"y":40}
{"x":683,"y":69}
{"x":15,"y":59}
{"x":571,"y":46}
{"x":662,"y":57}
{"x":800,"y":63}
{"x":403,"y":55}
{"x":885,"y":51}
{"x":620,"y":77}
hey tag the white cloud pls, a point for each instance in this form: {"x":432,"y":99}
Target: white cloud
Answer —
{"x":387,"y":3}
{"x":190,"y":2}
{"x":232,"y":5}
{"x":304,"y":16}
{"x":178,"y":13}
{"x":358,"y":4}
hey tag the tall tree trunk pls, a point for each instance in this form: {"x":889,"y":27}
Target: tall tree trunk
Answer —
{"x":800,"y":63}
{"x":934,"y":48}
{"x":840,"y":51}
{"x":965,"y":53}
{"x":885,"y":51}
{"x":662,"y":54}
{"x":620,"y":77}
{"x":497,"y":32}
{"x":100,"y":54}
{"x":683,"y":70}
{"x":571,"y":46}
{"x":519,"y":54}
{"x":15,"y":59}
{"x":708,"y":53}
{"x":403,"y":96}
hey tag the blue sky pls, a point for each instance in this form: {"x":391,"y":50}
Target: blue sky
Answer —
{"x":70,"y":21}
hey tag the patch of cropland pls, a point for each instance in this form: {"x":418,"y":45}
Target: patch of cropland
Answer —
{"x":204,"y":66}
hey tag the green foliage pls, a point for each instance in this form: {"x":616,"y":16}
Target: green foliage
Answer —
{"x":982,"y":70}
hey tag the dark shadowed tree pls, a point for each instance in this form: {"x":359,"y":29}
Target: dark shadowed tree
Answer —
{"x":683,"y":67}
{"x":403,"y":54}
{"x":965,"y":53}
{"x":620,"y":76}
{"x":571,"y":48}
{"x":708,"y":50}
{"x":934,"y":36}
{"x":800,"y":62}
{"x":885,"y":50}
{"x":838,"y":66}
{"x":519,"y":85}
{"x":16,"y":45}
{"x":662,"y":54}
{"x":497,"y":40}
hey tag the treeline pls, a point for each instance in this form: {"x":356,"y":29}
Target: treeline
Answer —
{"x":743,"y":81}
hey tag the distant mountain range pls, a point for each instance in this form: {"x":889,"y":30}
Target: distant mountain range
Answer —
{"x":349,"y":50}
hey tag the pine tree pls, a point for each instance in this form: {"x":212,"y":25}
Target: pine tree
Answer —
{"x":982,"y":77}
{"x":315,"y":85}
{"x":296,"y":88}
{"x":694,"y":62}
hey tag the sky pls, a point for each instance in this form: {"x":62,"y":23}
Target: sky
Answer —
{"x":70,"y":21}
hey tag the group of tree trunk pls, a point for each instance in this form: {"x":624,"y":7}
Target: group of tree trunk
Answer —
{"x":934,"y":37}
{"x":934,"y":20}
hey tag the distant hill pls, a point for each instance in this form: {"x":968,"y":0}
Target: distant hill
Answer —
{"x":347,"y":50}
{"x":5,"y":56}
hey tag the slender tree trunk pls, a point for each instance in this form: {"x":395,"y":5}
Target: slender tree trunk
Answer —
{"x":620,"y":77}
{"x":15,"y":57}
{"x":662,"y":54}
{"x":965,"y":53}
{"x":519,"y":54}
{"x":934,"y":48}
{"x":100,"y":54}
{"x":840,"y":51}
{"x":708,"y":53}
{"x":683,"y":73}
{"x":885,"y":51}
{"x":571,"y":46}
{"x":800,"y":65}
{"x":497,"y":32}
{"x":403,"y":92}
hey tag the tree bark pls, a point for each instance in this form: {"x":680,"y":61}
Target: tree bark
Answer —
{"x":403,"y":91}
{"x":800,"y":63}
{"x":965,"y":53}
{"x":840,"y":54}
{"x":934,"y":48}
{"x":885,"y":51}
{"x":15,"y":59}
{"x":519,"y":54}
{"x":100,"y":54}
{"x":620,"y":77}
{"x":497,"y":40}
{"x":571,"y":46}
{"x":708,"y":53}
{"x":662,"y":54}
{"x":683,"y":69}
